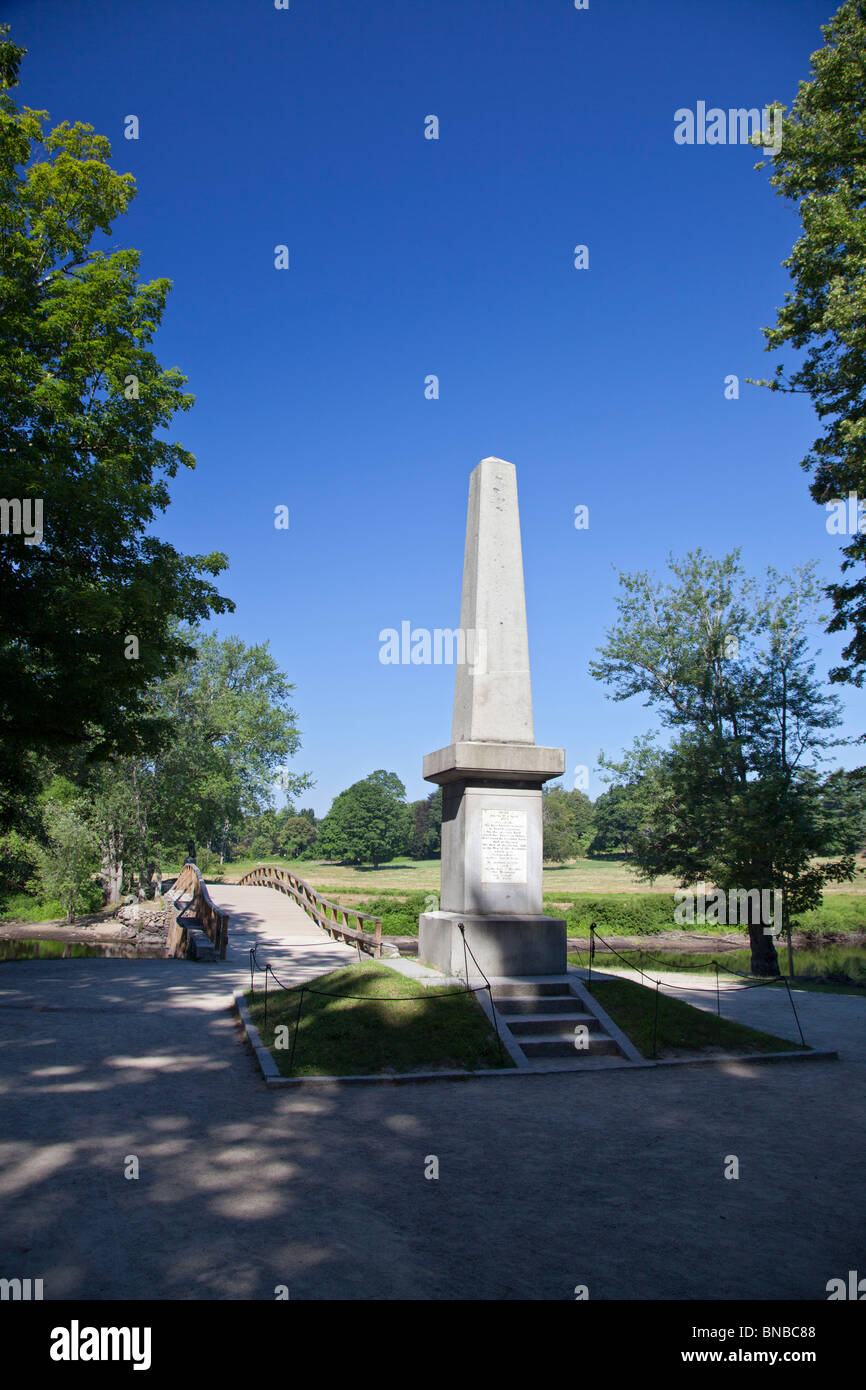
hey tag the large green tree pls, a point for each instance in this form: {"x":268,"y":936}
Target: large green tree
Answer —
{"x":566,"y":817}
{"x":842,"y":797}
{"x":425,"y":841}
{"x":821,"y":167}
{"x":368,"y":823}
{"x":616,"y":817}
{"x":725,"y":663}
{"x":87,"y":608}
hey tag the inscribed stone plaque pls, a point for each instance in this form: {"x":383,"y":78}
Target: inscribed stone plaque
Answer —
{"x":503,"y":846}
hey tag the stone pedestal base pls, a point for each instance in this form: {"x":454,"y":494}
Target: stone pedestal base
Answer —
{"x":502,"y":945}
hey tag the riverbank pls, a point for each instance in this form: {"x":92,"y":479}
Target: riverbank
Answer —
{"x":142,"y":925}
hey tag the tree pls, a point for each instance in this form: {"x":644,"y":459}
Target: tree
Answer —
{"x":67,"y":861}
{"x":230,"y":726}
{"x":87,"y":608}
{"x":368,"y":823}
{"x":566,"y":817}
{"x":296,"y":836}
{"x":726,"y":665}
{"x":117,"y":818}
{"x":821,"y":166}
{"x":426,"y":836}
{"x":616,"y":815}
{"x":843,"y":808}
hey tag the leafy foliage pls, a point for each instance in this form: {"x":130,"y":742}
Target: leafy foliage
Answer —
{"x":616,"y":816}
{"x":566,"y":819}
{"x":821,"y":166}
{"x":426,"y":837}
{"x":368,"y":823}
{"x":82,"y":400}
{"x":725,"y":662}
{"x":67,"y":861}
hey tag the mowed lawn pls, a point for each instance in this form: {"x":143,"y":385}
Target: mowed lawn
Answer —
{"x":613,"y":875}
{"x":583,"y":876}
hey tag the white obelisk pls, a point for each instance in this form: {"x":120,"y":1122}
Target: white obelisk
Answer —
{"x":492,"y":772}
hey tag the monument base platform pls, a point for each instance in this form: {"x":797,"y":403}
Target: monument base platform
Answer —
{"x":501,"y":945}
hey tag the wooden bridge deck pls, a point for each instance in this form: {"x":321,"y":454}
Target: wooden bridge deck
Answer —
{"x":296,"y":947}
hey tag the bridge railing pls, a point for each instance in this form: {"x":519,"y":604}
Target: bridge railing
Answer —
{"x":207,"y":915}
{"x":335,"y":920}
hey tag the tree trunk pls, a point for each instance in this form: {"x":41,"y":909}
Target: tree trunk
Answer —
{"x":112,"y":867}
{"x":763,"y":945}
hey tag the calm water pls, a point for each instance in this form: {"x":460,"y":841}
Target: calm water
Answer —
{"x":32,"y":949}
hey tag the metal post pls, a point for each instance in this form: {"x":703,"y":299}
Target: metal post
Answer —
{"x":656,"y":1021}
{"x":297,"y":1026}
{"x":791,"y":1001}
{"x":718,"y":1001}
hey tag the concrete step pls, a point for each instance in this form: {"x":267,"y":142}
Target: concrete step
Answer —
{"x":540,"y":1046}
{"x":559,"y":1025}
{"x":530,"y":989}
{"x":550,"y":1004}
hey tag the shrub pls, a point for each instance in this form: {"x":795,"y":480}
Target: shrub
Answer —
{"x":206,"y":860}
{"x":622,"y":914}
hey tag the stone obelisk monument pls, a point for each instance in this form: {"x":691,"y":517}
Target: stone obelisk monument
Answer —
{"x":491,"y":773}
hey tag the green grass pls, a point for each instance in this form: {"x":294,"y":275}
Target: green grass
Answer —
{"x":681,"y":1027}
{"x":382,"y":1032}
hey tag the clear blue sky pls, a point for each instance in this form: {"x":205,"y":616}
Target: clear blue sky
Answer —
{"x":409,"y":257}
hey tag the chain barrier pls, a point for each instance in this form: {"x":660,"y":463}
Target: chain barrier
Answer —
{"x":696,"y":989}
{"x":267,"y":969}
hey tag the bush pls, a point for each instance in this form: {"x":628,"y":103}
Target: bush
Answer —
{"x":622,"y":914}
{"x":261,"y":848}
{"x":22,"y":907}
{"x":400,"y":916}
{"x":92,"y":897}
{"x":206,"y":861}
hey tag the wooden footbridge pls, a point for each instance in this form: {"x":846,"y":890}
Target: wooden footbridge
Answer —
{"x":272,"y":909}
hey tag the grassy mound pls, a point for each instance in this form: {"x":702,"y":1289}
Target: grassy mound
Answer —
{"x":394,"y":1025}
{"x":681,"y":1027}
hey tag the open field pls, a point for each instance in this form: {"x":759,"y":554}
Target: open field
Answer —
{"x":583,"y":876}
{"x":613,"y":875}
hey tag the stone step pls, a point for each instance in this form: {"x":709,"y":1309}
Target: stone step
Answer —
{"x":541,"y":1046}
{"x":561,"y":1026}
{"x":530,"y":989}
{"x":552,"y":1004}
